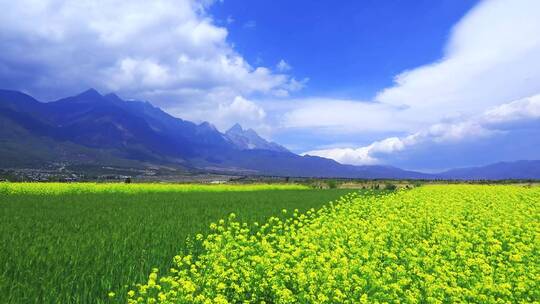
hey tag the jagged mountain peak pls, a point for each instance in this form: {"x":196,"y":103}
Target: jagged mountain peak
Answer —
{"x":89,"y":96}
{"x":235,"y":128}
{"x":248,"y":139}
{"x":238,"y":129}
{"x":90,"y":93}
{"x":208,"y":126}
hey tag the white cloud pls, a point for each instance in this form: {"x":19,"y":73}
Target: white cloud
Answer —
{"x":523,"y":109}
{"x":359,"y":156}
{"x":225,"y":114}
{"x":283,"y":66}
{"x":296,"y":85}
{"x":362,"y":155}
{"x":344,"y":116}
{"x":493,"y":56}
{"x":241,"y":109}
{"x":487,"y":124}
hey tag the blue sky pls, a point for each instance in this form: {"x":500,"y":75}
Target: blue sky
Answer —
{"x":350,"y":50}
{"x":422,"y":85}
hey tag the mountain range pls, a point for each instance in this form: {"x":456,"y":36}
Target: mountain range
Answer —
{"x":105,"y":130}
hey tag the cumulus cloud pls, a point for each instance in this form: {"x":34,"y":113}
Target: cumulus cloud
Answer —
{"x":362,"y":155}
{"x":497,"y":120}
{"x":493,"y":56}
{"x":168,"y":51}
{"x":243,"y":110}
{"x":283,"y":66}
{"x":224,"y":114}
{"x":519,"y":110}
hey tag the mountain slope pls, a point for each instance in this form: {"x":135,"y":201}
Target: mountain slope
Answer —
{"x":136,"y":129}
{"x":24,"y":148}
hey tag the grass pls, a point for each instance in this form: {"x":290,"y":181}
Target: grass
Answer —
{"x":74,"y":243}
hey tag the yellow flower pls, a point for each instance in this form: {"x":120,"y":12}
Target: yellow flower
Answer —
{"x":432,"y":244}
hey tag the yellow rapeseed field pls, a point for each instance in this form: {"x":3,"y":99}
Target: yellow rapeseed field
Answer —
{"x":433,"y":244}
{"x":74,"y":188}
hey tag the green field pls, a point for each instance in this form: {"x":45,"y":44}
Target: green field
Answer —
{"x":75,"y":243}
{"x":433,"y":244}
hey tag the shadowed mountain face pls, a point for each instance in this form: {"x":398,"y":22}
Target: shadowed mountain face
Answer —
{"x":91,"y":128}
{"x":129,"y":130}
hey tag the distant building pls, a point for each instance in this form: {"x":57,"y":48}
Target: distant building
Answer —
{"x":218,"y":182}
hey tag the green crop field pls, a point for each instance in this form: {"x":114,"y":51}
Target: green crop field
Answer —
{"x":433,"y":244}
{"x":73,"y":243}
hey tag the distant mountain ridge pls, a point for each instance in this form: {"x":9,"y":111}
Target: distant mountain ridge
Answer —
{"x":523,"y":169}
{"x":95,"y":129}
